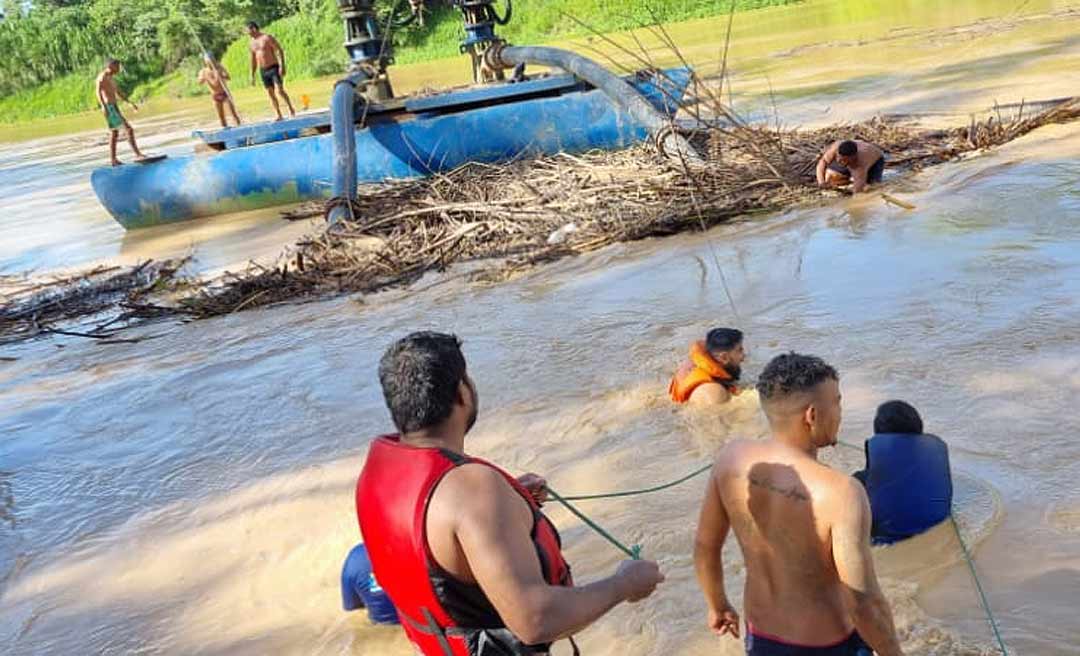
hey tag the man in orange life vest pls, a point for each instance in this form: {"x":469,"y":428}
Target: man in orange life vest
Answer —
{"x":461,"y":547}
{"x":712,"y":373}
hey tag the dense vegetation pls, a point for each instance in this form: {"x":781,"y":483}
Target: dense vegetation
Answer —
{"x":54,"y":48}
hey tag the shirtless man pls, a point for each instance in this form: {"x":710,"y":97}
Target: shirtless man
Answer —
{"x":107,"y":95}
{"x":804,"y":529}
{"x":214,"y":77}
{"x":462,"y":548}
{"x":859,"y":162}
{"x":268,"y":56}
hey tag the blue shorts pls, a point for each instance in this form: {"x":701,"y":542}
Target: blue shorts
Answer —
{"x":760,"y":645}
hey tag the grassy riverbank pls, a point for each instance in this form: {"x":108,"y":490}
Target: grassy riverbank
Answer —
{"x":312,"y":41}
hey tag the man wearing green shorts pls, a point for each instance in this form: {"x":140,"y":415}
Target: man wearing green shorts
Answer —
{"x":108,"y":94}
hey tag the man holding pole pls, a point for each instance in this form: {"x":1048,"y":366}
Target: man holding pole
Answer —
{"x":215,"y":77}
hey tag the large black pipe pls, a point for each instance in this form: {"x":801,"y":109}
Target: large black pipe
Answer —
{"x":614,"y":87}
{"x":343,"y":128}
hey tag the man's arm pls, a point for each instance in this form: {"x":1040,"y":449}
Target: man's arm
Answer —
{"x":101,"y":93}
{"x":502,"y":557}
{"x":123,"y":96}
{"x":858,"y":179}
{"x":280,"y":54}
{"x":823,"y":162}
{"x":855,"y":567}
{"x":253,"y":66}
{"x":713,"y":527}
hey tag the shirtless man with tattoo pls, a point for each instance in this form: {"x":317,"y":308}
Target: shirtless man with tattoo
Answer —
{"x":804,"y":529}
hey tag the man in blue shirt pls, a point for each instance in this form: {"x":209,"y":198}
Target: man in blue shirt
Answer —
{"x":907,"y":475}
{"x":359,"y":589}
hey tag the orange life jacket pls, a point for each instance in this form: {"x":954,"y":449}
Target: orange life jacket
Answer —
{"x":701,"y":369}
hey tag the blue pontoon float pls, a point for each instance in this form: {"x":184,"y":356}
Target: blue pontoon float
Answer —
{"x":369,"y":136}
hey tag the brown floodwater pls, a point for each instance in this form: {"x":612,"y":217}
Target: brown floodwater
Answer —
{"x":192,"y":493}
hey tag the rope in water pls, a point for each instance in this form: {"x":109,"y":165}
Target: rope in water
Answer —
{"x":634,"y":551}
{"x":978,"y":587}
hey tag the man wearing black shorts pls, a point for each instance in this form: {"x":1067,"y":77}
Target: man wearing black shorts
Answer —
{"x":859,"y":162}
{"x":268,"y":56}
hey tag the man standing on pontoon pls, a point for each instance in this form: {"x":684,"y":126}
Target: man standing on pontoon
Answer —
{"x":108,"y":96}
{"x":268,"y":56}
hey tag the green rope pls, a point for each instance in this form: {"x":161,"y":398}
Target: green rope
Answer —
{"x":646,"y":490}
{"x":633,"y":551}
{"x":850,"y":445}
{"x":657,"y":488}
{"x":978,"y":587}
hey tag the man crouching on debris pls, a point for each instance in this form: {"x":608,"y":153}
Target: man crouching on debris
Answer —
{"x":469,"y":561}
{"x":859,"y":162}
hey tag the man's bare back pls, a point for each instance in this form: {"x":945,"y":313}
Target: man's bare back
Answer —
{"x":863,"y":164}
{"x":782,"y":505}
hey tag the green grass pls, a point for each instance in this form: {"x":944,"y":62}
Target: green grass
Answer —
{"x":75,"y":93}
{"x":66,"y":95}
{"x":538,"y":21}
{"x":312,"y":43}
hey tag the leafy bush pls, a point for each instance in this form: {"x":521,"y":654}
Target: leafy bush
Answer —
{"x":52,"y":53}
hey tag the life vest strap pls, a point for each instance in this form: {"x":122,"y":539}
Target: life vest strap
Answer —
{"x":431,"y":628}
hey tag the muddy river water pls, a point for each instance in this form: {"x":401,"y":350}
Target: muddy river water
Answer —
{"x":192,"y":493}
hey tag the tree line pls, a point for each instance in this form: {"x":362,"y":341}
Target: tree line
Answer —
{"x":47,"y":39}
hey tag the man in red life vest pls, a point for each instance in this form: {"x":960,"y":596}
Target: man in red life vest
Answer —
{"x":711,"y":374}
{"x":461,"y":547}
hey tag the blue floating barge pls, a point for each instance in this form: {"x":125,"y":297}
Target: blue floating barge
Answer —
{"x":268,"y":164}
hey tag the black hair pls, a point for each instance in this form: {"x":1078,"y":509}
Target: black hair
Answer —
{"x":252,"y":24}
{"x":848,"y":148}
{"x":420,"y":375}
{"x":792,"y":373}
{"x":897,"y":417}
{"x":723,"y":339}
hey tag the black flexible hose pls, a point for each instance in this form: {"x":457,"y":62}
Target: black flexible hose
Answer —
{"x":505,"y":19}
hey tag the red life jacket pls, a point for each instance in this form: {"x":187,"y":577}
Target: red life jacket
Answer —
{"x":441,"y":615}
